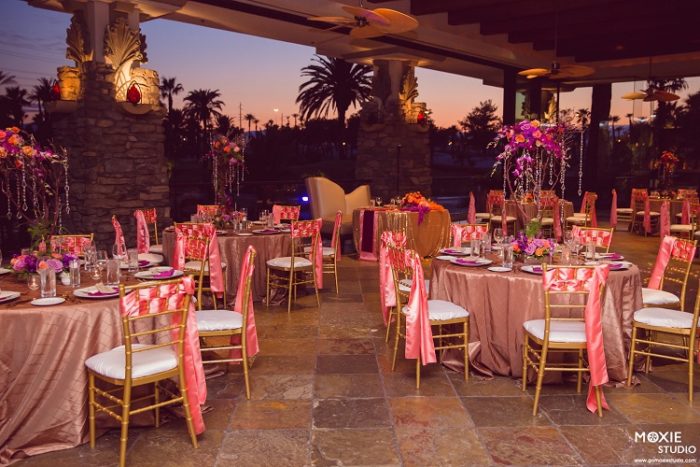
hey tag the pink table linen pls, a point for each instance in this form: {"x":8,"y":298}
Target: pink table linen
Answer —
{"x":498,"y":311}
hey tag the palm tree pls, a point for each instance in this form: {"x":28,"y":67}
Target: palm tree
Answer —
{"x":333,"y":84}
{"x":583,"y":116}
{"x":629,"y":118}
{"x":223,"y":124}
{"x":203,"y":105}
{"x":6,"y":79}
{"x":169,"y":87}
{"x":16,"y":99}
{"x":295,"y":116}
{"x":256,"y":121}
{"x":41,"y":94}
{"x":250,"y":118}
{"x":613,"y":120}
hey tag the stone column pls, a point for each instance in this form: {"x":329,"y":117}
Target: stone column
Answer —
{"x":393,"y":129}
{"x":116,"y":155}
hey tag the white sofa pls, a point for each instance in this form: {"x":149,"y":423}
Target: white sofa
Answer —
{"x":327,"y":197}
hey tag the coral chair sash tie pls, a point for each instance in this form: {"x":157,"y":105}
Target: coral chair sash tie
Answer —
{"x":280,"y":213}
{"x":171,"y":296}
{"x":216,"y":272}
{"x":471,"y":212}
{"x":466,"y":232}
{"x":419,"y":336}
{"x":368,"y":226}
{"x":387,"y":294}
{"x":662,"y":259}
{"x":335,"y":238}
{"x":685,"y":212}
{"x":665,"y":220}
{"x":305,"y":229}
{"x":647,"y":215}
{"x":613,"y":209}
{"x":118,"y":236}
{"x":143,"y":241}
{"x":247,"y":269}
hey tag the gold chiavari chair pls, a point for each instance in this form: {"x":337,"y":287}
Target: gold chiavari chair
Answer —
{"x":197,"y":259}
{"x":228,"y":323}
{"x":672,"y":323}
{"x":677,"y":271}
{"x":497,"y":207}
{"x":73,"y":243}
{"x":583,"y":219}
{"x":331,"y":253}
{"x":134,"y":364}
{"x":558,"y":334}
{"x":441,"y":313}
{"x":486,"y":216}
{"x":286,"y":213}
{"x":547,"y":203}
{"x":151,"y":216}
{"x":639,"y":199}
{"x":469,"y":231}
{"x":688,"y":230}
{"x":625,"y":214}
{"x":289,"y":272}
{"x":601,"y":237}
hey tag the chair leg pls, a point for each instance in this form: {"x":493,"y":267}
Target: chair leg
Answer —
{"x":526,"y":349}
{"x":91,"y":389}
{"x":466,"y":350}
{"x":540,"y":378}
{"x":579,"y":378}
{"x":633,"y":347}
{"x":126,"y":403}
{"x":388,"y":325}
{"x":396,"y":341}
{"x":156,"y":400}
{"x":598,"y":400}
{"x":291,"y":289}
{"x":418,"y":372}
{"x":267,"y":288}
{"x":318,"y":298}
{"x":186,"y":407}
{"x":246,"y":377}
{"x":335,"y":274}
{"x":651,"y":337}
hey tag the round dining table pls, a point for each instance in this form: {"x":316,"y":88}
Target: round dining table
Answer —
{"x":500,"y":302}
{"x":528,"y":211}
{"x":233,"y":246}
{"x":426,"y":234}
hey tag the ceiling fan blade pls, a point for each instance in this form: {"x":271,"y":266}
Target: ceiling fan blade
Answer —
{"x":372,"y":18}
{"x":572,"y":71}
{"x":665,"y":96}
{"x":333,"y":20}
{"x":398,"y":22}
{"x":366,"y":32}
{"x":532,"y":73}
{"x":634,"y":95}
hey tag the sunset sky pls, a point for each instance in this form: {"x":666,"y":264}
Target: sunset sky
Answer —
{"x":261,"y":74}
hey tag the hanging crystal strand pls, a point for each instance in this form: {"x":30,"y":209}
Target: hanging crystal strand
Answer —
{"x":580,"y":163}
{"x":60,"y":216}
{"x":66,"y":187}
{"x":239,"y":174}
{"x":35,"y":198}
{"x":7,"y":190}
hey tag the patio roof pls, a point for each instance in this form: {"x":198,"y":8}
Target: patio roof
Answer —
{"x":478,"y":38}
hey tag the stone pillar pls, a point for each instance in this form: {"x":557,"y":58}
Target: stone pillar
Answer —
{"x":393,"y":148}
{"x":116,"y":149}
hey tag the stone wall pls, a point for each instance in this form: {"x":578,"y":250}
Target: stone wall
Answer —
{"x":117,"y":161}
{"x":377,"y":153}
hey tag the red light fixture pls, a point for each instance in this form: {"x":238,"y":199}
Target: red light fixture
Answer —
{"x":55,"y":91}
{"x":421,"y":118}
{"x":133,"y":94}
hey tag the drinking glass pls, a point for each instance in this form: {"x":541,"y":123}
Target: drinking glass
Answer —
{"x":263,"y":215}
{"x":378,"y":200}
{"x":577,"y":246}
{"x":133,"y":259}
{"x":74,"y":268}
{"x":244,"y":214}
{"x":565,"y":255}
{"x":90,"y":255}
{"x":112,"y":275}
{"x":47,"y":279}
{"x":508,"y":256}
{"x":33,"y":281}
{"x":590,"y":250}
{"x":475,"y":243}
{"x":486,"y":247}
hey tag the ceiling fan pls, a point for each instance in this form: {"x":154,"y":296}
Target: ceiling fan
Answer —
{"x":366,"y":23}
{"x":556,"y":70}
{"x":651,"y":94}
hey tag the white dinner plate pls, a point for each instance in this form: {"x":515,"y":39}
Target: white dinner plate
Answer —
{"x":469,"y":262}
{"x":243,"y":234}
{"x":499,"y":269}
{"x":143,"y":263}
{"x":48,"y":301}
{"x":221,"y":231}
{"x":609,"y":256}
{"x":152,"y":274}
{"x":445,"y":257}
{"x":90,"y":292}
{"x":7,"y":295}
{"x":464,"y":251}
{"x":532,"y":269}
{"x":265,"y":231}
{"x":5,"y":271}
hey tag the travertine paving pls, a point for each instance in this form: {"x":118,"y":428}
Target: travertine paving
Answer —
{"x":323,"y":394}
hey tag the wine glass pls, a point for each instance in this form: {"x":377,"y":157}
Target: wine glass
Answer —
{"x":116,"y":253}
{"x":576,"y":246}
{"x":498,"y":235}
{"x":378,"y":200}
{"x":33,"y":281}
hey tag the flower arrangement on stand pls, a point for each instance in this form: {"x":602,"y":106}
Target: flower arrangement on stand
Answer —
{"x":228,"y":165}
{"x":416,"y":202}
{"x":666,"y":165}
{"x":34,"y":182}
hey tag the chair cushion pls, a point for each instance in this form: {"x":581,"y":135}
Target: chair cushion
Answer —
{"x":152,"y":257}
{"x":681,"y":228}
{"x":658,"y":297}
{"x":580,"y":214}
{"x":218,"y":320}
{"x":498,"y":219}
{"x":663,"y":317}
{"x":327,"y":251}
{"x":559,"y":331}
{"x":576,"y":220}
{"x":482,"y":215}
{"x":697,"y":234}
{"x":286,"y":262}
{"x":112,"y":363}
{"x":625,"y":210}
{"x":651,"y":213}
{"x":405,"y":285}
{"x":547,"y":221}
{"x":157,"y":249}
{"x":442,"y":310}
{"x":196,"y":265}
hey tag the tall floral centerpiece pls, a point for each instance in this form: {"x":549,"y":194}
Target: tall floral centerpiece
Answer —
{"x":666,"y":165}
{"x":33,"y":182}
{"x":228,"y":165}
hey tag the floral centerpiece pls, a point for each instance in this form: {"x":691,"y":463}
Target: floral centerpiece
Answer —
{"x":416,"y":202}
{"x":666,"y":164}
{"x":31,"y":263}
{"x":33,"y":181}
{"x":538,"y":248}
{"x":228,"y":161}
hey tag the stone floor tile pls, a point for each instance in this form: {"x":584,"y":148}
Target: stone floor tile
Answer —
{"x":351,"y":413}
{"x":429,"y":412}
{"x":170,"y":446}
{"x":346,"y":364}
{"x":532,"y":445}
{"x":334,"y":385}
{"x":288,"y":347}
{"x":432,"y":384}
{"x":652,"y":408}
{"x":271,"y":448}
{"x":353,"y":447}
{"x":271,"y":415}
{"x":503,"y":411}
{"x":282,"y":387}
{"x":421,"y":446}
{"x":572,"y":410}
{"x":489,"y":387}
{"x":281,"y":365}
{"x":345,"y":346}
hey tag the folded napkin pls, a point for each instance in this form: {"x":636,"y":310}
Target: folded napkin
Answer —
{"x":101,"y":290}
{"x":452,"y":251}
{"x":143,"y":263}
{"x":163,"y":274}
{"x":468,"y":261}
{"x":617,"y":266}
{"x":537,"y":269}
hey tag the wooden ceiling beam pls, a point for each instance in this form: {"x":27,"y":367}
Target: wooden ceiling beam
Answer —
{"x":651,"y":50}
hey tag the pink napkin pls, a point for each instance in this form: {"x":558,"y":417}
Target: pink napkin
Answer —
{"x":97,"y":293}
{"x":613,"y":209}
{"x":143,"y":263}
{"x":163,"y":274}
{"x":467,"y":261}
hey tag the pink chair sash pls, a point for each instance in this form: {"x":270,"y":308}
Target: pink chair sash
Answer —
{"x":647,"y":216}
{"x":368,"y":226}
{"x":280,"y":212}
{"x":662,"y":259}
{"x":466,"y":232}
{"x":247,"y":269}
{"x":143,"y":238}
{"x":683,"y":250}
{"x":118,"y":236}
{"x":210,"y":210}
{"x":74,"y":244}
{"x":685,"y":213}
{"x":305,"y":229}
{"x":613,"y":209}
{"x":387,"y":294}
{"x":602,"y":238}
{"x":665,"y":220}
{"x":336,"y":234}
{"x":150,"y":215}
{"x":565,"y":279}
{"x":157,"y":299}
{"x":471,"y":212}
{"x":182,"y":249}
{"x":419,"y":335}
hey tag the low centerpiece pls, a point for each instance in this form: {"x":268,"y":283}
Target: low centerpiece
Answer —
{"x":416,"y":202}
{"x":30,"y":263}
{"x":539,"y":249}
